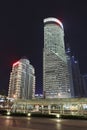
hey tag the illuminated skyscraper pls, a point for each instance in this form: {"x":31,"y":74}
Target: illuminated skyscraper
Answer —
{"x":56,"y":81}
{"x":22,"y":80}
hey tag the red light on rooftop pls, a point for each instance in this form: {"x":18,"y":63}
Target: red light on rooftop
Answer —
{"x":16,"y":63}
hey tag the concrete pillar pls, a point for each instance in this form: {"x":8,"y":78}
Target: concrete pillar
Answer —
{"x":49,"y":109}
{"x":42,"y":111}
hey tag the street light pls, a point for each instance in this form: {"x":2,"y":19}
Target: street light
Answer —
{"x":8,"y":113}
{"x":29,"y":114}
{"x":58,"y":115}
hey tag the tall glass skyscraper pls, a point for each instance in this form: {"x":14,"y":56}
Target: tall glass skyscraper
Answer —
{"x":68,"y":57}
{"x":56,"y":81}
{"x":22,"y":80}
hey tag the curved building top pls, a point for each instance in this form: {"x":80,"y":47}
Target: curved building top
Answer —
{"x":51,"y":19}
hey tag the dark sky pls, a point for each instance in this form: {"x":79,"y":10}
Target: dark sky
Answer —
{"x":21,"y":33}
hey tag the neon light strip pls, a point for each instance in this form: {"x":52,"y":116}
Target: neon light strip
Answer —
{"x":53,"y":20}
{"x":16,"y":63}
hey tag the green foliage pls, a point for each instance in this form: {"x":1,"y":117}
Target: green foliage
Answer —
{"x":74,"y":117}
{"x":3,"y":112}
{"x":42,"y":115}
{"x":18,"y":114}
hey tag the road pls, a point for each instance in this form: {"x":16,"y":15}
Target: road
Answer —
{"x":17,"y":123}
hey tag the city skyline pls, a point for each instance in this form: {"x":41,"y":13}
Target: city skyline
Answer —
{"x":21,"y":33}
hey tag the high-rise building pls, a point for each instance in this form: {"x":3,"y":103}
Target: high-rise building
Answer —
{"x":84,"y":79}
{"x":56,"y":81}
{"x":75,"y":76}
{"x":22,"y":80}
{"x":77,"y":79}
{"x":69,"y":61}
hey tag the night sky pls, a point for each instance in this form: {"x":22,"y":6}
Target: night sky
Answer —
{"x":21,"y":33}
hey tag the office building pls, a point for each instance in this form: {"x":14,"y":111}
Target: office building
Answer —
{"x":77,"y":79}
{"x":75,"y":76}
{"x":56,"y":81}
{"x":22,"y":80}
{"x":84,"y":79}
{"x":69,"y":61}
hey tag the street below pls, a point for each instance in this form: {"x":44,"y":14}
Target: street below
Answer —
{"x":35,"y":123}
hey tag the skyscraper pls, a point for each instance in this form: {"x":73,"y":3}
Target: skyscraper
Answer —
{"x":84,"y":79}
{"x":22,"y":80}
{"x":77,"y":79}
{"x":69,"y":61}
{"x":56,"y":83}
{"x":77,"y":87}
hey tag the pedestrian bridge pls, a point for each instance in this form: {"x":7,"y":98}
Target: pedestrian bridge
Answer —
{"x":71,"y":106}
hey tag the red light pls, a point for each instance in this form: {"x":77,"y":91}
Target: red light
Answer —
{"x":16,"y":63}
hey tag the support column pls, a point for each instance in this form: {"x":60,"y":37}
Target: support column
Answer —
{"x":49,"y":109}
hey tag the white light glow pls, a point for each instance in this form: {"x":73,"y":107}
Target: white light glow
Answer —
{"x":57,"y":115}
{"x":29,"y":114}
{"x":8,"y":113}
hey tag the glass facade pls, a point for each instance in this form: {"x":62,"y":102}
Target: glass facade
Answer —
{"x":56,"y":83}
{"x":22,"y":80}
